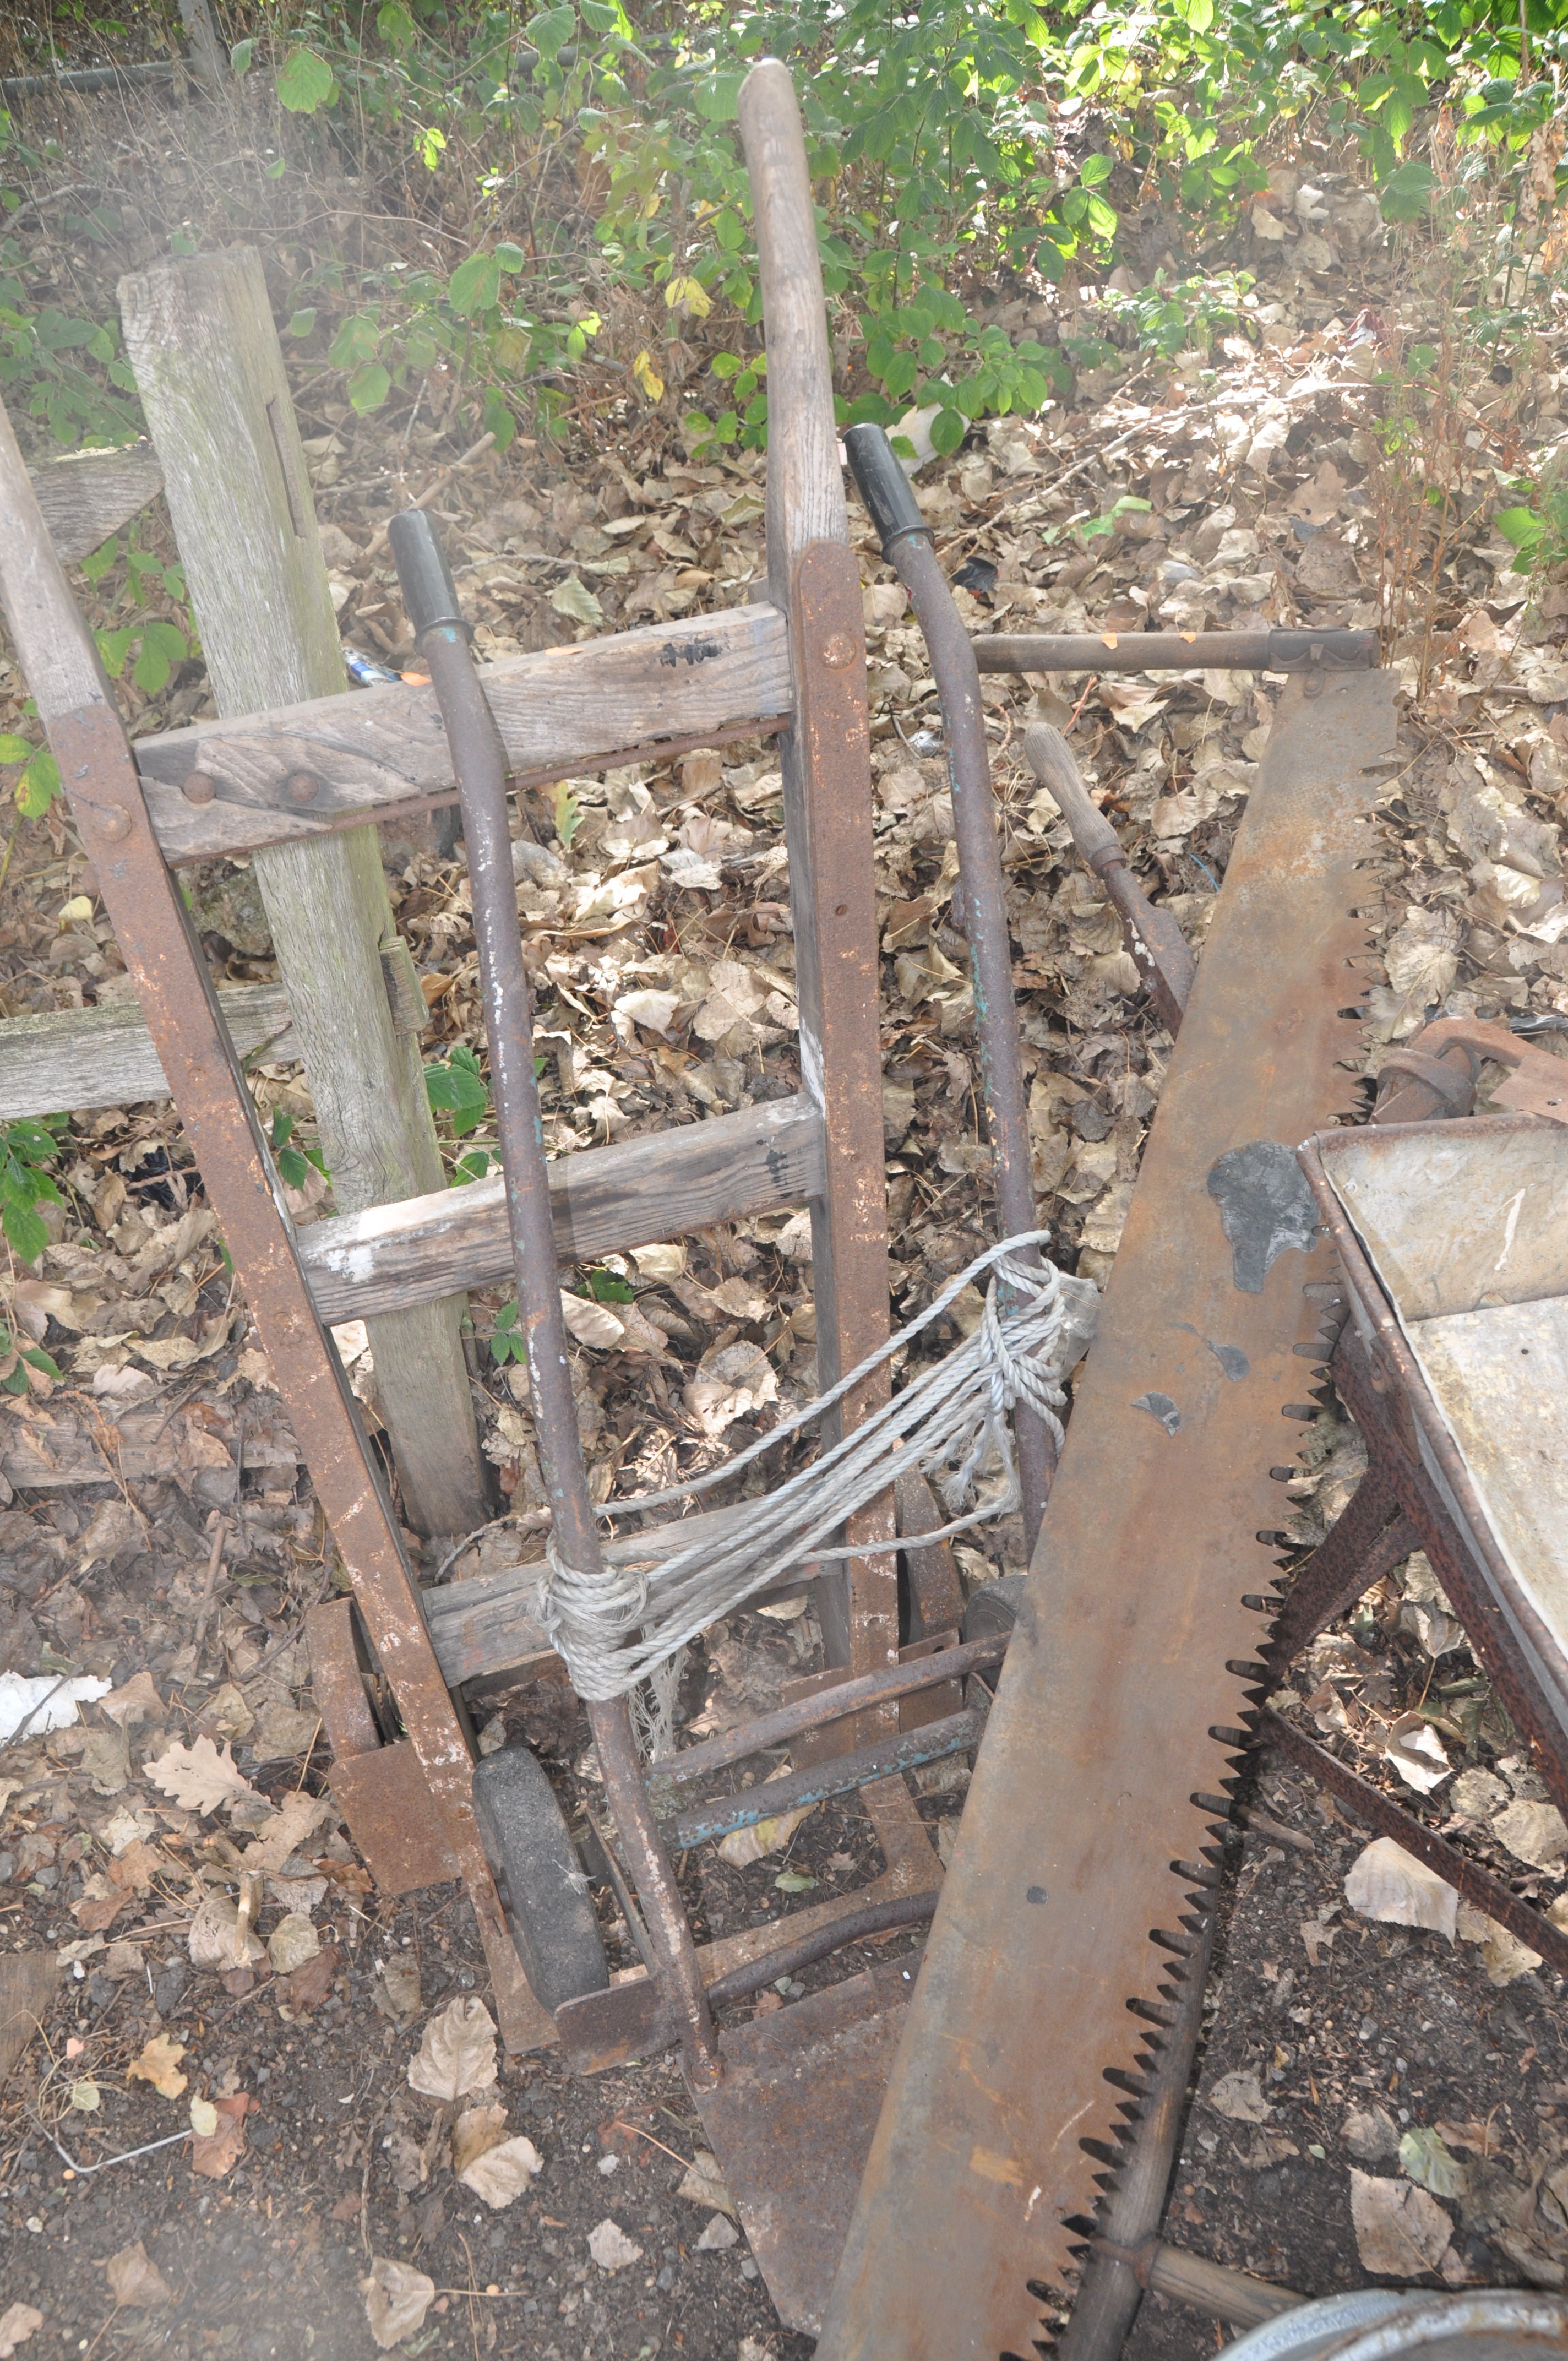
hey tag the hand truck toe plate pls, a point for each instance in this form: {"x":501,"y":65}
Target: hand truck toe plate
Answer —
{"x":791,"y":2123}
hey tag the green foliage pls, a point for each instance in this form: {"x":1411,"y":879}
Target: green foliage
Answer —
{"x":25,"y":1148}
{"x":958,"y":149}
{"x":507,"y":1340}
{"x":606,"y":1287}
{"x":293,"y":1163}
{"x":159,"y":647}
{"x":458,"y":1089}
{"x":17,"y":1358}
{"x":1538,"y":529}
{"x":956,"y":146}
{"x":39,"y":784}
{"x":566,"y":815}
{"x":1107,"y":523}
{"x":306,"y":83}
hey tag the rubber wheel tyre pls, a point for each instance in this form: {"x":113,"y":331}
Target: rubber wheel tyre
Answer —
{"x":993,"y":1608}
{"x":544,"y":1889}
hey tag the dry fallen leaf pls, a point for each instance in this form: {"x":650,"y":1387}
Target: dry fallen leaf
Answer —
{"x":282,"y":1732}
{"x":105,"y":1759}
{"x":457,"y":2055}
{"x":1424,"y":2158}
{"x":134,"y":2278}
{"x":292,"y":1941}
{"x":214,"y":1939}
{"x":495,"y":2167}
{"x":396,"y":1992}
{"x":17,"y":2322}
{"x":704,"y":2184}
{"x":158,"y":2064}
{"x":203,"y":2118}
{"x":611,"y":2247}
{"x":218,"y":2154}
{"x":1536,"y":1833}
{"x":1386,"y":1883}
{"x":1503,"y":1956}
{"x":310,"y":1985}
{"x":718,"y":2237}
{"x":1416,"y":1751}
{"x":397,"y":2298}
{"x":1240,"y":2096}
{"x":198,"y":1777}
{"x":1371,"y":2133}
{"x":138,"y":1702}
{"x":473,"y":2132}
{"x":1400,"y":2231}
{"x":285,"y":1831}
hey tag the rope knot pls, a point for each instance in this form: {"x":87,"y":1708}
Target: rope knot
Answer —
{"x":589,"y":1617}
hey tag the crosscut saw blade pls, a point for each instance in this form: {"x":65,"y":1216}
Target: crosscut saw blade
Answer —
{"x":1126,"y":1685}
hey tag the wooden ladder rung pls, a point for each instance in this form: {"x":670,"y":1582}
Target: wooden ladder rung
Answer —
{"x":375,"y":752}
{"x":663,"y":1185}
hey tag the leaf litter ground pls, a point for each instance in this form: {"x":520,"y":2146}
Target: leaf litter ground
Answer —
{"x":333,"y":2153}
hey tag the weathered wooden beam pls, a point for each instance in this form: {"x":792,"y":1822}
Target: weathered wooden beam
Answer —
{"x":663,"y":1185}
{"x":378,"y":753}
{"x":71,"y":1059}
{"x":825,"y":764}
{"x":201,"y":339}
{"x":88,"y":495}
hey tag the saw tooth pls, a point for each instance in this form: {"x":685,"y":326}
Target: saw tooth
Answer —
{"x":1228,"y":1735}
{"x":1135,"y":2085}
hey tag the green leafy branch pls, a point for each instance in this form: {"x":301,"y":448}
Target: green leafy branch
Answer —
{"x":25,"y":1148}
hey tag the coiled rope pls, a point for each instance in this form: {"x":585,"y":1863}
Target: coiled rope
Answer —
{"x":614,"y":1628}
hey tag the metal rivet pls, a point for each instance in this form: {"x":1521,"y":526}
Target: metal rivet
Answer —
{"x":198,"y":787}
{"x":301,"y":787}
{"x":114,"y":823}
{"x":837,"y":651}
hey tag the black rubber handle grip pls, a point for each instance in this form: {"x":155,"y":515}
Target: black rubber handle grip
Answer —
{"x":884,"y":487}
{"x":429,"y":595}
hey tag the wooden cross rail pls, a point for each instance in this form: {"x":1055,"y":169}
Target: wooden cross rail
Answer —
{"x":225,"y":788}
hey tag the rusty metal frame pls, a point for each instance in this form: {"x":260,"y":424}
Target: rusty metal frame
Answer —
{"x":156,"y":937}
{"x":1387,"y":1394}
{"x":1487,"y":1892}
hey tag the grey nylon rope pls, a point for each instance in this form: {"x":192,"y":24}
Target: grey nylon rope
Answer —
{"x":615,"y":1627}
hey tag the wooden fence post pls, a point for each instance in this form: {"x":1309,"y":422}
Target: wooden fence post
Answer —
{"x":201,"y":338}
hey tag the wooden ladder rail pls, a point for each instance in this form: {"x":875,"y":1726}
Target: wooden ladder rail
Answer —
{"x":60,"y":662}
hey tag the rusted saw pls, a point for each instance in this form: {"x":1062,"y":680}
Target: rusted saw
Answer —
{"x":1121,"y":1709}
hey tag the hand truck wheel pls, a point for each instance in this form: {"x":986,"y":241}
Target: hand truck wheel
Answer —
{"x":543,"y":1886}
{"x":992,"y":1610}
